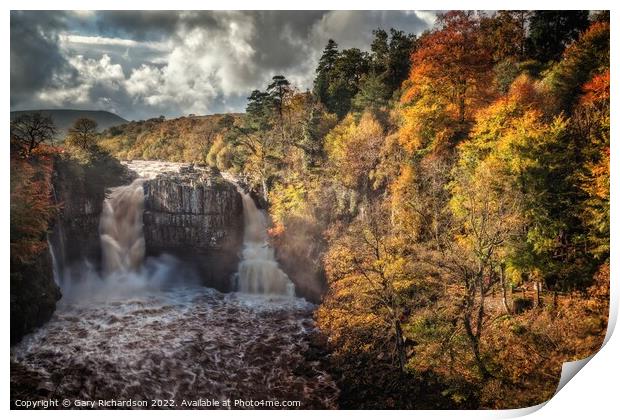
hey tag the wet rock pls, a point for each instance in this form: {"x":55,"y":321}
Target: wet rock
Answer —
{"x":196,"y":216}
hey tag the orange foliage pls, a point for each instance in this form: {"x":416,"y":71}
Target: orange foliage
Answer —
{"x":31,"y":204}
{"x":596,"y":90}
{"x":454,"y":62}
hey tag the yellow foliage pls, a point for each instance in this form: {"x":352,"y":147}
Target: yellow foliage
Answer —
{"x":353,"y":149}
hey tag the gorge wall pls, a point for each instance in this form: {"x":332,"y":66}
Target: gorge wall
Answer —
{"x":197,"y":216}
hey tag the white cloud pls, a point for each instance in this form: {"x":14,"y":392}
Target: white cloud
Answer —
{"x":101,"y":76}
{"x":202,"y":66}
{"x":68,"y":40}
{"x":427,"y":16}
{"x":98,"y":71}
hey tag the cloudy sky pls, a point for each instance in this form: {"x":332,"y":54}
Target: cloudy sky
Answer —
{"x":144,"y":64}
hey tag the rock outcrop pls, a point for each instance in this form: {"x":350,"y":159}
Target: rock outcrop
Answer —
{"x":196,"y":216}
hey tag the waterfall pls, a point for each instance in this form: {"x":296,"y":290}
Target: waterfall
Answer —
{"x":120,"y":227}
{"x":259,"y":272}
{"x":56,"y":245}
{"x":55,"y":268}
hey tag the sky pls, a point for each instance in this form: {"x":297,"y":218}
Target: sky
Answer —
{"x":141,"y":64}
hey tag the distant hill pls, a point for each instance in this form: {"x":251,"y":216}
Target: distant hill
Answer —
{"x":64,"y":118}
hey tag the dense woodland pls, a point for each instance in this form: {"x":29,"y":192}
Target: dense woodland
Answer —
{"x":450,"y":190}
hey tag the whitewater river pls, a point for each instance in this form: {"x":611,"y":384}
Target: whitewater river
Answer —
{"x":139,"y":333}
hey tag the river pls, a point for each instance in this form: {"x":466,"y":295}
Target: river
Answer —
{"x":145,"y":332}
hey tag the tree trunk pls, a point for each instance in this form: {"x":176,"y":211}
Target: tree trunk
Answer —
{"x":502,"y":280}
{"x":474,"y":342}
{"x":538,"y":285}
{"x":400,"y":345}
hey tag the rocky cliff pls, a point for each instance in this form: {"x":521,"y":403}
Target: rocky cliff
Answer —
{"x":33,"y":295}
{"x":196,"y":216}
{"x":79,"y":188}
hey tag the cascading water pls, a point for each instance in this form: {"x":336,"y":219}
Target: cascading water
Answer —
{"x":125,"y":272}
{"x":259,"y":272}
{"x":120,"y":227}
{"x":141,"y":331}
{"x":55,"y":264}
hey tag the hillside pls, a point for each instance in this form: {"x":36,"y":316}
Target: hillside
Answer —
{"x":184,"y":139}
{"x":64,"y":118}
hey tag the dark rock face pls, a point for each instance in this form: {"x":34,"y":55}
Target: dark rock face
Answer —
{"x":76,"y":230}
{"x":33,"y":295}
{"x":196,"y":216}
{"x":299,"y":252}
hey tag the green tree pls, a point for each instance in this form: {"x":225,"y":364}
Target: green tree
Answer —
{"x":586,"y":57}
{"x":373,"y":94}
{"x":401,"y":47}
{"x":351,"y":65}
{"x":323,"y":71}
{"x":279,"y":89}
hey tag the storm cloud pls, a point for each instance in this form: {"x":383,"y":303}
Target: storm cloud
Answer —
{"x":144,"y":64}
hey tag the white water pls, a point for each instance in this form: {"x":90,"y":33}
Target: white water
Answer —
{"x":55,"y":270}
{"x":120,"y":228}
{"x":149,"y":169}
{"x":259,"y":272}
{"x":182,"y":343}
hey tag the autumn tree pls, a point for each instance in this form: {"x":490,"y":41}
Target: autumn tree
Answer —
{"x":30,"y":130}
{"x":31,"y":208}
{"x":370,"y":279}
{"x":83,"y":133}
{"x":591,"y":121}
{"x":353,"y":150}
{"x":505,"y":34}
{"x":582,"y":60}
{"x":452,"y":62}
